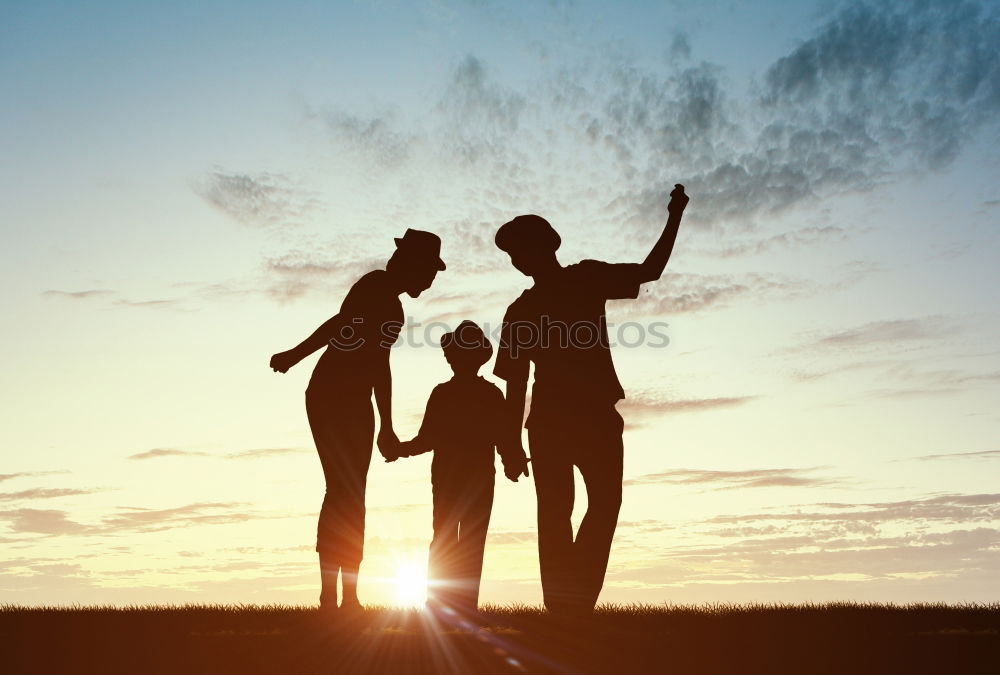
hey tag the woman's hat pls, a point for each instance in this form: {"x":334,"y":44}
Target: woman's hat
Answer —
{"x":422,"y":244}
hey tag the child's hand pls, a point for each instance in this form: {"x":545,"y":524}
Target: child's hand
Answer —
{"x":407,"y":449}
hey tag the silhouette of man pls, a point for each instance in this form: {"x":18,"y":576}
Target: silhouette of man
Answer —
{"x":559,"y":324}
{"x":339,"y":400}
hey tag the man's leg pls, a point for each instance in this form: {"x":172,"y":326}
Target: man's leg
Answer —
{"x":599,"y":456}
{"x":349,"y":584}
{"x":553,"y":473}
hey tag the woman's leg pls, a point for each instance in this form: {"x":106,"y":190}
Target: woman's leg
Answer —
{"x":329,"y":569}
{"x":343,"y":433}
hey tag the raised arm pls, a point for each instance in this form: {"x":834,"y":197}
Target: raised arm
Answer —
{"x":330,"y":329}
{"x":656,"y":261}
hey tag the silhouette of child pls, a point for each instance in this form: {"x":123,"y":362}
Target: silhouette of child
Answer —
{"x":462,"y":424}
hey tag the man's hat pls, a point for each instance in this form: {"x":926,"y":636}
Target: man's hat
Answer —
{"x":469,"y":336}
{"x":529,"y":231}
{"x":426,"y":245}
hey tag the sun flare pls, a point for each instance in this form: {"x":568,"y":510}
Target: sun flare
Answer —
{"x":411,"y":583}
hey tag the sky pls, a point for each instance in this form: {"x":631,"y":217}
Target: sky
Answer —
{"x":813,"y":386}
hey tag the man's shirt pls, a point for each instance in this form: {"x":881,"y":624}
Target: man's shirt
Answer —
{"x":561,"y":326}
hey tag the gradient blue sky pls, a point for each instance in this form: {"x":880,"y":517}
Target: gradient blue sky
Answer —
{"x":187,"y":188}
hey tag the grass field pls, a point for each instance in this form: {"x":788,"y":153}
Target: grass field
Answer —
{"x":841,"y":638}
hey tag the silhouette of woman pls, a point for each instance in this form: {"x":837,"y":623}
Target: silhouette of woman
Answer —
{"x":339,"y":401}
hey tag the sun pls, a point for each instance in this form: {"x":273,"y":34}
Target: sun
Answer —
{"x":411,"y":583}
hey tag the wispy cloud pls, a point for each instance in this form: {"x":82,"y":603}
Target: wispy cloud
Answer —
{"x":893,"y":331}
{"x":27,"y":474}
{"x":727,"y":480}
{"x":877,"y":90}
{"x":257,"y":453}
{"x":480,"y":114}
{"x":41,"y":521}
{"x":165,"y":452}
{"x":376,"y":137}
{"x":296,"y":273}
{"x":151,"y":303}
{"x":981,"y":454}
{"x":78,"y":295}
{"x":43,"y":493}
{"x":949,"y":537}
{"x":642,"y":407}
{"x":128,"y":519}
{"x":263,"y":452}
{"x":680,"y":293}
{"x":141,"y":519}
{"x":954,"y":508}
{"x":260,"y":200}
{"x":805,"y":236}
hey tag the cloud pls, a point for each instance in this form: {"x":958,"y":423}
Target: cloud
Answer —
{"x":921,"y":75}
{"x":916,"y":382}
{"x":480,"y":114}
{"x":140,"y":519}
{"x":375,"y":138}
{"x":827,"y":554}
{"x":981,"y":454}
{"x":879,"y":89}
{"x":263,"y":452}
{"x":727,"y":480}
{"x":642,"y":407}
{"x":27,"y":474}
{"x":129,"y":519}
{"x":165,"y":452}
{"x":238,"y":454}
{"x":296,"y":273}
{"x":259,"y":200}
{"x":679,"y":293}
{"x":898,"y":334}
{"x":78,"y":295}
{"x":891,"y":331}
{"x":511,"y":537}
{"x":934,"y":540}
{"x":152,"y":303}
{"x":948,"y":508}
{"x":41,"y":521}
{"x":805,"y":236}
{"x":42,"y":493}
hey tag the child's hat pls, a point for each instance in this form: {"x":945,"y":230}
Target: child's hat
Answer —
{"x":468,"y":335}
